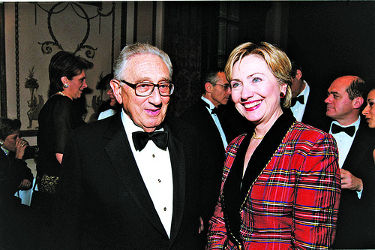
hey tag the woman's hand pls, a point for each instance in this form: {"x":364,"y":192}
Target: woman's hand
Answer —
{"x":21,"y":145}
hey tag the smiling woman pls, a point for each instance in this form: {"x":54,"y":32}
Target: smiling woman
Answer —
{"x":264,"y":202}
{"x":57,"y":118}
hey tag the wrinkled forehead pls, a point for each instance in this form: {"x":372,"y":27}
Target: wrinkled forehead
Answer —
{"x":339,"y":85}
{"x":145,"y":65}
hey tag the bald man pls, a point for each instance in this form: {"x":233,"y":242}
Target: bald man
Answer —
{"x":355,"y":224}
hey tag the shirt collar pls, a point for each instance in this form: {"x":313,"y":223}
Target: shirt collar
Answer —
{"x":212,"y":106}
{"x":6,"y":151}
{"x":305,"y":92}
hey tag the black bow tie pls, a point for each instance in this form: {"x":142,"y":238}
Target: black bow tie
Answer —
{"x":348,"y":130}
{"x":300,"y":99}
{"x":213,"y":111}
{"x":140,"y":139}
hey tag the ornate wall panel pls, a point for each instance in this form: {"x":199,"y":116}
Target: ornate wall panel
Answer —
{"x":34,"y":32}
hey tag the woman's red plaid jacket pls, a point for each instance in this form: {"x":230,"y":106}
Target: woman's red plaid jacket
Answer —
{"x":292,"y":202}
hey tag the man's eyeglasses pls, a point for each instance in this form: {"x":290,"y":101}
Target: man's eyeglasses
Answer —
{"x":147,"y":88}
{"x":226,"y":87}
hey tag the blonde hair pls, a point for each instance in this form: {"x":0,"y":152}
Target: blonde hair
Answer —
{"x":276,"y":59}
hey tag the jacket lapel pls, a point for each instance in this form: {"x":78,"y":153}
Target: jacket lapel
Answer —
{"x":358,"y":148}
{"x":177,"y":157}
{"x":122,"y":160}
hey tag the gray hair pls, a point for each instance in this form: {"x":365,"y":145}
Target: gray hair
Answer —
{"x":357,"y":88}
{"x":139,"y":48}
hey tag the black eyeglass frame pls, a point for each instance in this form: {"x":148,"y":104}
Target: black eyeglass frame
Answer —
{"x":134,"y":86}
{"x":226,"y":87}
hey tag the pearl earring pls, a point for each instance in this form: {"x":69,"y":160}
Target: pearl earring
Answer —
{"x":66,"y":85}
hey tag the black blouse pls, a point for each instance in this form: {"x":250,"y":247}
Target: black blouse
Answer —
{"x":56,"y":120}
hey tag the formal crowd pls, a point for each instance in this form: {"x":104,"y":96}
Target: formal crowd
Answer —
{"x":261,"y":161}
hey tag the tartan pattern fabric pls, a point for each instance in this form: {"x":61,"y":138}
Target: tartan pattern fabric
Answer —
{"x":294,"y":201}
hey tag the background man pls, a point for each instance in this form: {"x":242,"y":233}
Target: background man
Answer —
{"x":120,"y":190}
{"x":355,"y":220}
{"x":306,"y":103}
{"x":204,"y":116}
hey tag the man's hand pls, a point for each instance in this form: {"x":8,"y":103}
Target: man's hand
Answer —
{"x":21,"y":144}
{"x":349,"y":181}
{"x":25,"y":184}
{"x":201,"y":226}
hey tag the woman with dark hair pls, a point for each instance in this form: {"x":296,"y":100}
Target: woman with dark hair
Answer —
{"x":281,"y":182}
{"x":369,"y":111}
{"x":67,"y":73}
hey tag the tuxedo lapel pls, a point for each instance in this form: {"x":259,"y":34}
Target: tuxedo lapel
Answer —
{"x":177,"y":157}
{"x":210,"y":126}
{"x":122,"y":160}
{"x":358,"y":148}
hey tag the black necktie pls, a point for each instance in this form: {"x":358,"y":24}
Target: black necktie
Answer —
{"x":300,"y":99}
{"x":348,"y":130}
{"x":140,"y":139}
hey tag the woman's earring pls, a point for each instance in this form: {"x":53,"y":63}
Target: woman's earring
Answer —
{"x":66,"y":85}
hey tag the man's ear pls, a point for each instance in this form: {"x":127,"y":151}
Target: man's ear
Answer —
{"x":298,"y":74}
{"x":208,"y":87}
{"x":116,"y":88}
{"x":357,"y":102}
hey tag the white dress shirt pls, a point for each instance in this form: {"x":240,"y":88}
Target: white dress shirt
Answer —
{"x":299,"y":109}
{"x":155,"y":167}
{"x":344,"y":143}
{"x":216,"y":120}
{"x":106,"y":113}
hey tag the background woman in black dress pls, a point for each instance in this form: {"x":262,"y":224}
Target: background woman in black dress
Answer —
{"x":57,"y":118}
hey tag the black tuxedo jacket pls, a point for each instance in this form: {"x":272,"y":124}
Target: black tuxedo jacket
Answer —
{"x":356,"y":218}
{"x":103,"y":203}
{"x":213,"y":153}
{"x":12,"y":172}
{"x":315,"y":108}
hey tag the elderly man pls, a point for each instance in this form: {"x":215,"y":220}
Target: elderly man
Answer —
{"x":129,"y":181}
{"x":355,"y":224}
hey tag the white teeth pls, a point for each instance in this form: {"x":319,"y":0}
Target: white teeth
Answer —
{"x":250,"y":105}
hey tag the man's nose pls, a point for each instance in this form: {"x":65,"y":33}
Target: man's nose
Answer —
{"x":155,"y":97}
{"x":328,"y":99}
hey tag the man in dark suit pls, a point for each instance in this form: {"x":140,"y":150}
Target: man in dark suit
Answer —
{"x":307,"y":106}
{"x":14,"y":176}
{"x":204,"y":116}
{"x":130,"y":181}
{"x":355,"y":225}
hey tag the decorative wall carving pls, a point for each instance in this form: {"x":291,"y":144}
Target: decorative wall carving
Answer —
{"x":58,"y":8}
{"x":85,"y":29}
